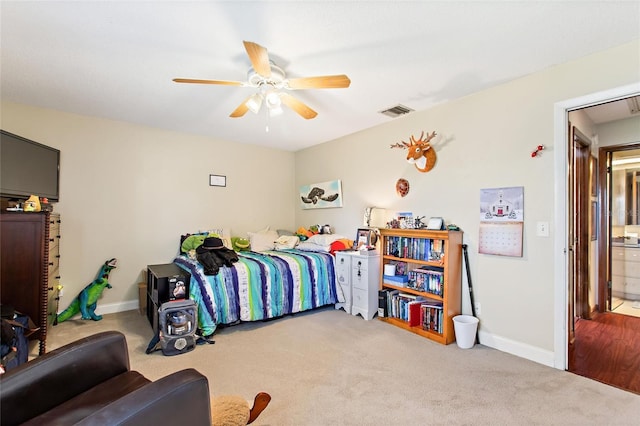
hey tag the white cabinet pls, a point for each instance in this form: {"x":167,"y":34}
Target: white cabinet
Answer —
{"x":358,"y":276}
{"x":625,"y":272}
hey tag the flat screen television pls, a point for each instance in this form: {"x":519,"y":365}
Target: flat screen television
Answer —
{"x":28,"y":168}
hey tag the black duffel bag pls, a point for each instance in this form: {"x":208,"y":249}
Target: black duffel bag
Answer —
{"x":14,"y":346}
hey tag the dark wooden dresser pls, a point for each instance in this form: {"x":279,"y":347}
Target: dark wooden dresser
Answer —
{"x":29,"y":266}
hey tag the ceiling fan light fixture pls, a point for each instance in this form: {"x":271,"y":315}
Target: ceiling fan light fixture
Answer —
{"x":275,"y":111}
{"x":255,"y":102}
{"x":272,"y":100}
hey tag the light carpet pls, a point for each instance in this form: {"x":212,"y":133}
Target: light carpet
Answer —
{"x":326,"y":367}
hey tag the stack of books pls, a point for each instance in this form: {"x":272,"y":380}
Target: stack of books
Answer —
{"x":417,"y":311}
{"x":397,"y":280}
{"x":429,"y":279}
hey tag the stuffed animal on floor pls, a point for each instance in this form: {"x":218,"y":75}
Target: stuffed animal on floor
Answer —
{"x":231,"y":410}
{"x":86,"y":302}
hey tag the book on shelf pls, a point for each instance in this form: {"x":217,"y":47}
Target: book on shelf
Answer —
{"x":401,"y":267}
{"x":437,"y":250}
{"x":383,"y":311}
{"x":414,"y":313}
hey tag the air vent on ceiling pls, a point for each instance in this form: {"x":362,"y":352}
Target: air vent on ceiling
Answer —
{"x":634,"y":104}
{"x":396,"y":111}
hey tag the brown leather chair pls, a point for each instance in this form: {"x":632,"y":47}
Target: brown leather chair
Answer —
{"x":89,"y":382}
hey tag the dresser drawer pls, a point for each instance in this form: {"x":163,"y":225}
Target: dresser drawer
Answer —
{"x":629,"y":286}
{"x":53,"y":264}
{"x":632,"y":255}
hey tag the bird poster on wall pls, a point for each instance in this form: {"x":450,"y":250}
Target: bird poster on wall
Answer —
{"x":321,"y":195}
{"x":501,"y":221}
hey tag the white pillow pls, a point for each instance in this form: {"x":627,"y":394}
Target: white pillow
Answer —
{"x":324,"y":239}
{"x":309,"y":246}
{"x":285,"y":242}
{"x":263,"y":240}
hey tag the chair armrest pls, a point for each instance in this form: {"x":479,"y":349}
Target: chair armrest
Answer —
{"x":45,"y":382}
{"x":179,"y":398}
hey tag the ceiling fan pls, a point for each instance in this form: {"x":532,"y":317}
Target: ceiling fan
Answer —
{"x":270,"y":80}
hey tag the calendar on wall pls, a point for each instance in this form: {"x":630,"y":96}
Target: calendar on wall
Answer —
{"x":504,"y":239}
{"x":501,"y":221}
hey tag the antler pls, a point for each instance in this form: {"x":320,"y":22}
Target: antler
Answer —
{"x":421,"y":140}
{"x":402,"y":145}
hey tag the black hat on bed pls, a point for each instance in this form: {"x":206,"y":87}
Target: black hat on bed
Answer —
{"x":210,"y":243}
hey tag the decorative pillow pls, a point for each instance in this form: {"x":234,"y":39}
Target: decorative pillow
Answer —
{"x":263,"y":240}
{"x":285,"y":242}
{"x":324,"y":239}
{"x":282,"y":232}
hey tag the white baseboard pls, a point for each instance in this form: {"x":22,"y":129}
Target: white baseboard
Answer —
{"x":520,"y":349}
{"x":112,"y":308}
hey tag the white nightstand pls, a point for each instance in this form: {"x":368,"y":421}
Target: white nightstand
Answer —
{"x":358,"y":276}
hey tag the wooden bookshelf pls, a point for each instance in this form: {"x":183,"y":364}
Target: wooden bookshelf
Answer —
{"x":437,"y":254}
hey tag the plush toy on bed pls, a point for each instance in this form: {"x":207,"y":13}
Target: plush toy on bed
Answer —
{"x":304,"y":233}
{"x":231,"y":410}
{"x":86,"y":302}
{"x":240,"y":244}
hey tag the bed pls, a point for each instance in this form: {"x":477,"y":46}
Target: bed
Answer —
{"x":262,"y":285}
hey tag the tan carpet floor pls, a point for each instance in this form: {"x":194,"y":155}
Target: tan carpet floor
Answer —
{"x":326,"y":367}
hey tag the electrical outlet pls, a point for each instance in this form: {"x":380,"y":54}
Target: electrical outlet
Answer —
{"x":478,"y":308}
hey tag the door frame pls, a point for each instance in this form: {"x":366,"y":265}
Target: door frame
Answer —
{"x":561,"y":219}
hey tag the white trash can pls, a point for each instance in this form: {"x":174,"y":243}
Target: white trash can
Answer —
{"x":465,"y":327}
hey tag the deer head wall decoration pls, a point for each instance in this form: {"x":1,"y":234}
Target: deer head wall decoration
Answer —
{"x":420,"y":153}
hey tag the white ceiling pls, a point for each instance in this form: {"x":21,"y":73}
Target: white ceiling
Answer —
{"x":117,"y":59}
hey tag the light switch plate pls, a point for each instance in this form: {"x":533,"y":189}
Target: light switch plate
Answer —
{"x":542,"y":229}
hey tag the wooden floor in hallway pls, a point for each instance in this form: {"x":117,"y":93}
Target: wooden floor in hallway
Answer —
{"x":607,"y":349}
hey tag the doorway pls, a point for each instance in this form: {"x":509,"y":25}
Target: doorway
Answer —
{"x":602,"y":338}
{"x":562,"y":248}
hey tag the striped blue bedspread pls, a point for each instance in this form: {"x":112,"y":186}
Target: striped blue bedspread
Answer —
{"x":261,"y":286}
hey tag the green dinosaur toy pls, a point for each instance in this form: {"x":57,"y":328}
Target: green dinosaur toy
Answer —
{"x":87,"y":300}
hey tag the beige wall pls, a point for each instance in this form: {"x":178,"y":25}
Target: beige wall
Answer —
{"x":485,"y":141}
{"x":129,"y":192}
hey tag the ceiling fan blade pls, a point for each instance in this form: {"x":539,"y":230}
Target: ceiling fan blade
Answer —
{"x":322,"y":82}
{"x":297,"y":106}
{"x":259,"y":58}
{"x":241,"y":110}
{"x":223,"y":82}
